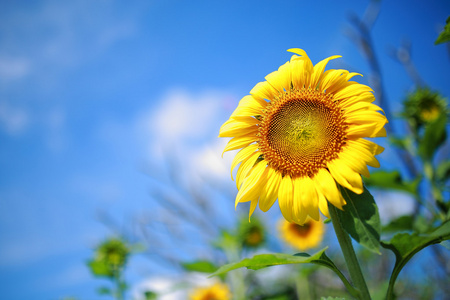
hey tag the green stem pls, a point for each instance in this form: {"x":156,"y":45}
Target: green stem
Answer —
{"x":349,"y":255}
{"x":237,"y":280}
{"x":435,"y":191}
{"x":119,"y":288}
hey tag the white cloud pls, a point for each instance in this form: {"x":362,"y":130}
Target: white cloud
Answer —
{"x":183,"y":121}
{"x":392,"y":205}
{"x":209,"y":160}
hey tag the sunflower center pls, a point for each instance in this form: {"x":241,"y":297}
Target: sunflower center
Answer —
{"x":301,"y":230}
{"x":301,"y":131}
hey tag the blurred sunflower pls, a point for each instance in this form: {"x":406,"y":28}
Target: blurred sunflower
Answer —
{"x":302,"y":237}
{"x":301,"y":131}
{"x":218,"y":291}
{"x":251,"y":235}
{"x":423,"y":106}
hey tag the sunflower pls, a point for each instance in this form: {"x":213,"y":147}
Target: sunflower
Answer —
{"x":218,"y":291}
{"x":251,"y":235}
{"x":301,"y":132}
{"x":302,"y":237}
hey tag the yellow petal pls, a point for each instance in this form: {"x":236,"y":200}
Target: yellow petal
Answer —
{"x":264,"y":90}
{"x":239,"y":142}
{"x":327,"y":186}
{"x":355,"y":131}
{"x":345,"y":176}
{"x":281,"y":79}
{"x":369,"y":145}
{"x":249,"y":106}
{"x":366,"y":97}
{"x":285,"y":197}
{"x":251,"y":187}
{"x":234,"y":131}
{"x":253,"y":205}
{"x":301,"y":68}
{"x":332,"y":80}
{"x":269,"y":193}
{"x":245,"y":168}
{"x":354,"y":162}
{"x":247,"y":110}
{"x":305,"y":193}
{"x":351,"y":90}
{"x":241,"y":155}
{"x":318,"y":70}
{"x":232,"y":127}
{"x":323,"y":204}
{"x":299,"y":212}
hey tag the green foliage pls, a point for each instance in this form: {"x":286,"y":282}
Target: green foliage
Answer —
{"x":361,"y":220}
{"x":423,"y":106}
{"x":111,"y":255}
{"x":433,"y":137}
{"x":403,"y":223}
{"x":101,"y":268}
{"x":267,"y":260}
{"x":109,"y":261}
{"x":405,"y":246}
{"x":391,"y":180}
{"x":332,"y":298}
{"x":443,"y":171}
{"x":104,"y":291}
{"x":202,"y":266}
{"x":444,"y":36}
{"x":150,"y":295}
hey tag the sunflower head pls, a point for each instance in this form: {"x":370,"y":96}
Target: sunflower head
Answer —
{"x":251,"y":235}
{"x":218,"y":291}
{"x":423,"y":106}
{"x":111,"y":255}
{"x":301,"y":133}
{"x":302,"y":237}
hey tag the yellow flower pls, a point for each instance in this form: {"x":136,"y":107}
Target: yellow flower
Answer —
{"x":218,"y":291}
{"x":301,"y":131}
{"x":302,"y":237}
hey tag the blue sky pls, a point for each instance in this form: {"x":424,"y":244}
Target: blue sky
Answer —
{"x":91,"y":91}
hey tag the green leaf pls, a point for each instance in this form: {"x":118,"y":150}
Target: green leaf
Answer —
{"x":443,"y":171}
{"x":226,"y":241}
{"x":360,"y":219}
{"x":402,"y":223}
{"x":400,"y":142}
{"x":100,"y":268}
{"x":203,"y":266}
{"x":332,"y":298}
{"x":391,"y":180}
{"x":267,"y":260}
{"x":104,"y":291}
{"x":149,"y":295}
{"x":433,"y":137}
{"x":405,"y":246}
{"x":445,"y":244}
{"x":444,"y":36}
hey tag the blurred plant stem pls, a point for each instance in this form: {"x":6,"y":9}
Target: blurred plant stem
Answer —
{"x":435,"y":191}
{"x":232,"y":253}
{"x":350,"y":257}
